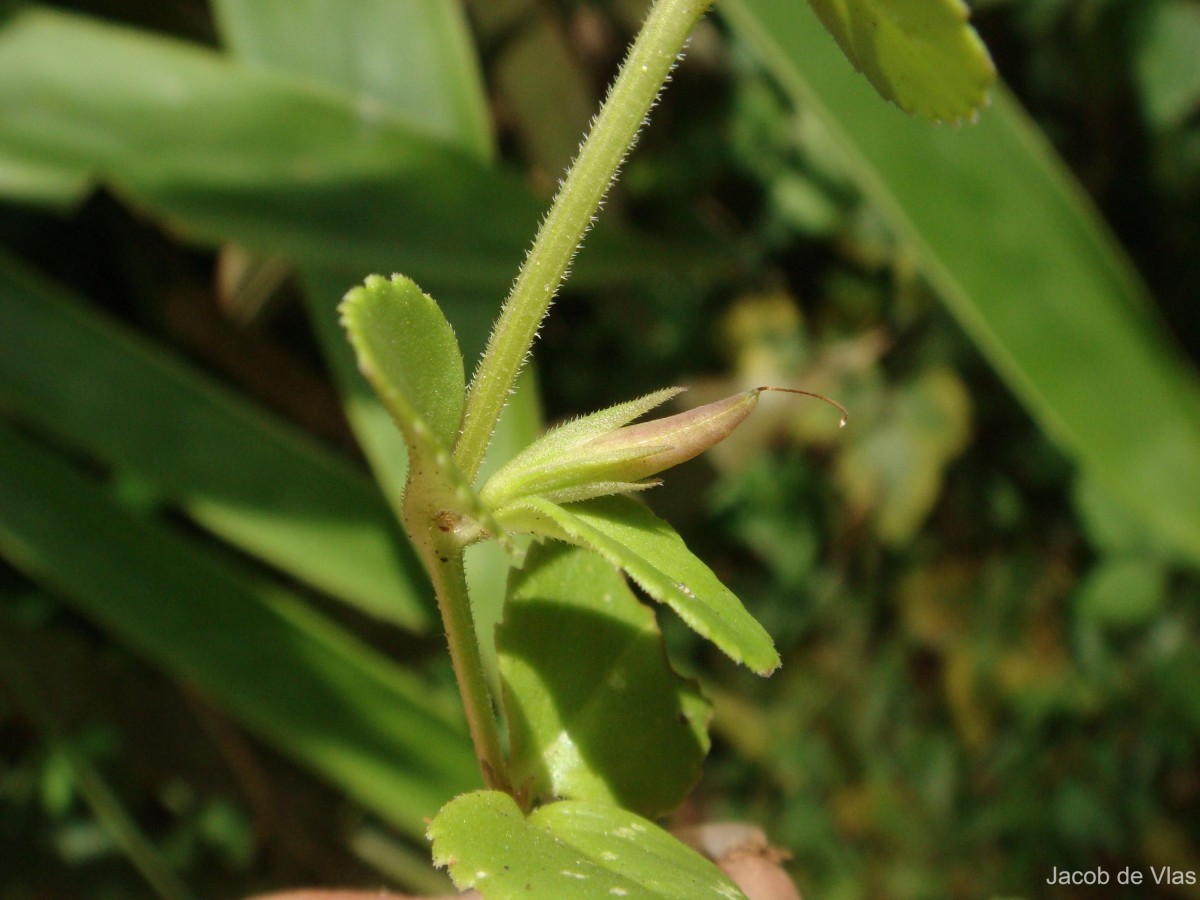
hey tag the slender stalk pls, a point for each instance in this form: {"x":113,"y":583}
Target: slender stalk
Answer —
{"x":642,"y":76}
{"x":450,"y":584}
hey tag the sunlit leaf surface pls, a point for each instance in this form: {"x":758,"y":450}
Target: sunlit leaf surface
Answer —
{"x":632,"y":538}
{"x":921,"y":54}
{"x":570,"y":849}
{"x":407,"y":350}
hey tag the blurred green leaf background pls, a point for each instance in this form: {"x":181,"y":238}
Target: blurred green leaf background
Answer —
{"x":219,"y":667}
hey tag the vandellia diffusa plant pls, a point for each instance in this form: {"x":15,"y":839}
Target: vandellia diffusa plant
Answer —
{"x":601,"y":732}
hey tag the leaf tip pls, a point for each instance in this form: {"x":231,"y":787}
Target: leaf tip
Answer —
{"x":407,"y":350}
{"x":769,"y":670}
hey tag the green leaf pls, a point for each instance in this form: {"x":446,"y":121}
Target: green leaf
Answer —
{"x":1024,"y":263}
{"x":236,"y":470}
{"x":1110,"y":527}
{"x":650,"y":552}
{"x":28,"y":180}
{"x":1122,"y":592}
{"x":270,"y":160}
{"x":407,"y":350}
{"x":571,"y":849}
{"x":1166,"y":45}
{"x":414,"y":56}
{"x":920,"y":54}
{"x":594,"y":710}
{"x":310,"y":689}
{"x":381,"y":441}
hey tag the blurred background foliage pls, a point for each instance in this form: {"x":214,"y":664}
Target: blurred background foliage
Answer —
{"x":218,"y":668}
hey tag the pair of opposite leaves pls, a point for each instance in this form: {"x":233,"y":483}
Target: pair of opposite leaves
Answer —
{"x":567,"y":485}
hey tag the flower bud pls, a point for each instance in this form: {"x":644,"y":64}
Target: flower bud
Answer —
{"x":617,"y":460}
{"x":675,"y":439}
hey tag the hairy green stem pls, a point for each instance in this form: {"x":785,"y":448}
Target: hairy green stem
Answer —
{"x":642,"y":76}
{"x":439,"y":515}
{"x":450,"y":584}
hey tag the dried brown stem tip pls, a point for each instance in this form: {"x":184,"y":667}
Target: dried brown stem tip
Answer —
{"x":834,"y":403}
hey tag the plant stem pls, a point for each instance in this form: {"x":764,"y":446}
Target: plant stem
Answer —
{"x":450,"y":584}
{"x":638,"y":84}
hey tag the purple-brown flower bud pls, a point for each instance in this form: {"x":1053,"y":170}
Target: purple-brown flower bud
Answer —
{"x":599,"y":454}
